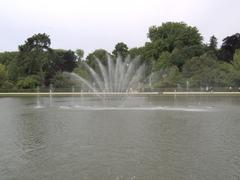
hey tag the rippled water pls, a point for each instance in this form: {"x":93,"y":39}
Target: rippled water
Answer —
{"x":145,"y":138}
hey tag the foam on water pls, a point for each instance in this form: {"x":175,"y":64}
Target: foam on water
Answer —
{"x":39,"y":107}
{"x":155,"y":108}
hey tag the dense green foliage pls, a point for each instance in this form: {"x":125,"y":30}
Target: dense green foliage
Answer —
{"x":174,"y":55}
{"x":121,"y":49}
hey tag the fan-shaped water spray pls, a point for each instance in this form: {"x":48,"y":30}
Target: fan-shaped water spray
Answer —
{"x":120,"y":75}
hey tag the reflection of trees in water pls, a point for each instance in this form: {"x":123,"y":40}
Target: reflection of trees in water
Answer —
{"x":32,"y":132}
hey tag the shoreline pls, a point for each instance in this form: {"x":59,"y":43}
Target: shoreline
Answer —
{"x":9,"y":94}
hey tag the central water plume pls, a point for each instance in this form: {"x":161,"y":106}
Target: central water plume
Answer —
{"x":118,"y":75}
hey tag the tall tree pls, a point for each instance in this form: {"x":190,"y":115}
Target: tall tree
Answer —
{"x":100,"y":54}
{"x":236,"y":66}
{"x":213,"y":43}
{"x":69,"y":61}
{"x":236,"y":60}
{"x":3,"y":74}
{"x":34,"y":56}
{"x":230,"y":44}
{"x":120,"y":49}
{"x":174,"y":35}
{"x":80,"y":54}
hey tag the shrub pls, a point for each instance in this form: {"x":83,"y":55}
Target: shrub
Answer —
{"x":29,"y":82}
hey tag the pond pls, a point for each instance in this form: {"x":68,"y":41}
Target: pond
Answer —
{"x":120,"y":138}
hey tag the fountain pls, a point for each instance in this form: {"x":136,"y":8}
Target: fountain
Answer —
{"x":38,"y":98}
{"x":50,"y":94}
{"x":187,"y":86}
{"x":119,"y":76}
{"x":114,"y":84}
{"x":73,"y":91}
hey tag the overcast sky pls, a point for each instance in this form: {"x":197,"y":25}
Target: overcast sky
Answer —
{"x":93,"y":24}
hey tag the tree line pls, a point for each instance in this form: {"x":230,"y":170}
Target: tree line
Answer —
{"x":175,"y":54}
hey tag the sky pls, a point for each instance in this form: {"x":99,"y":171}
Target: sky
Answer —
{"x":94,"y":24}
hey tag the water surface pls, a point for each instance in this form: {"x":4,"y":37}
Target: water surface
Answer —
{"x":115,"y":138}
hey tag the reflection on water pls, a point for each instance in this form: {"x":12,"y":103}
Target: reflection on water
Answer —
{"x":32,"y":132}
{"x":168,"y":138}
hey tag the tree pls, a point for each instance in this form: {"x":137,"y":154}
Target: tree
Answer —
{"x":82,"y":71}
{"x":152,"y":50}
{"x":5,"y":83}
{"x":236,"y":60}
{"x":169,"y":77}
{"x":163,"y":62}
{"x":35,"y":56}
{"x":100,"y":54}
{"x":61,"y":81}
{"x":174,"y":35}
{"x":213,"y":43}
{"x":7,"y":57}
{"x":65,"y":60}
{"x":120,"y":49}
{"x":3,"y":74}
{"x":79,"y":54}
{"x":36,"y":42}
{"x":14,"y":71}
{"x":29,"y":82}
{"x":205,"y":70}
{"x":230,"y":44}
{"x":135,"y":52}
{"x":180,"y":56}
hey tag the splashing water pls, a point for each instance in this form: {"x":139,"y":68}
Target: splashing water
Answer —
{"x":117,"y":76}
